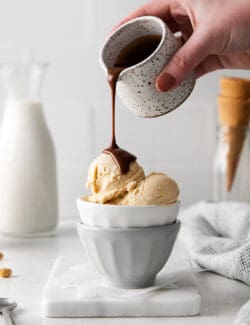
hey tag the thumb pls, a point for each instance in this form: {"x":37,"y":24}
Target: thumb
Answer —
{"x":183,"y":62}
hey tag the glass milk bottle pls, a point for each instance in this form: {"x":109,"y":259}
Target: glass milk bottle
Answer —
{"x":28,"y":184}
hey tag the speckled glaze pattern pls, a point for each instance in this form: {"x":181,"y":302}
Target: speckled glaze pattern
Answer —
{"x":136,"y":84}
{"x":129,"y":258}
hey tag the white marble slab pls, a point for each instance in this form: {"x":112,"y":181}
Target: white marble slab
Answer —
{"x":74,"y":290}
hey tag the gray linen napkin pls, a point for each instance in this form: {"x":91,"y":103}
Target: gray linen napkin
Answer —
{"x":243,"y":316}
{"x":217,"y":236}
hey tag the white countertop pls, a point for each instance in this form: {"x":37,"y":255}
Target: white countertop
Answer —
{"x":31,"y":261}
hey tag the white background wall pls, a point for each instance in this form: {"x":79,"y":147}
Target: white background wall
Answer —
{"x":68,"y":34}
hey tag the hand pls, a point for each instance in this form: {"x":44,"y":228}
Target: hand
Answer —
{"x":217,"y":35}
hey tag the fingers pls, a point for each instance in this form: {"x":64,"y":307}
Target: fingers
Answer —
{"x":184,"y":61}
{"x":211,"y":63}
{"x":159,"y":8}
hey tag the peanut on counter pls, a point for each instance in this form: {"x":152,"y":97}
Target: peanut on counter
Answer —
{"x":5,"y":273}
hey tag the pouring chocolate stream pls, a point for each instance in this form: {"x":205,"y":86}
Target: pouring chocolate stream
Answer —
{"x":135,"y":52}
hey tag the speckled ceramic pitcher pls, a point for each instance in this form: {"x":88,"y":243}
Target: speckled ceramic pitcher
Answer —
{"x":136,"y":84}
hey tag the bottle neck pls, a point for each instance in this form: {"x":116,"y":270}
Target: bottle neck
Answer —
{"x":23,"y":80}
{"x":17,"y":105}
{"x":23,"y":111}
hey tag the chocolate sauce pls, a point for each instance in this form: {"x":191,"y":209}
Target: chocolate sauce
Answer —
{"x":135,"y":52}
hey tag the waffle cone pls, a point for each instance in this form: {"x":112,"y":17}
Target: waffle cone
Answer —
{"x":235,"y":138}
{"x":235,"y":87}
{"x":233,"y":112}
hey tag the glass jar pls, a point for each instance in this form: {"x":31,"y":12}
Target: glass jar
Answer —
{"x":231,"y":168}
{"x":28,"y":183}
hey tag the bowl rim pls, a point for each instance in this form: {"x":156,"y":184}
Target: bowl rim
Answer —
{"x":80,"y":200}
{"x":81,"y":225}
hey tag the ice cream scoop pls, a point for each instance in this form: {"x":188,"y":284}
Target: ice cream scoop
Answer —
{"x":155,"y":189}
{"x":107,"y":182}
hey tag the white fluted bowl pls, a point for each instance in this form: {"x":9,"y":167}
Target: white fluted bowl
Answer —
{"x":121,"y":216}
{"x":129,"y":258}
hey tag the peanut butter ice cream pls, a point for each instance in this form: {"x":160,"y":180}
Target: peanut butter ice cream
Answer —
{"x":107,"y":182}
{"x":155,"y":189}
{"x":109,"y":185}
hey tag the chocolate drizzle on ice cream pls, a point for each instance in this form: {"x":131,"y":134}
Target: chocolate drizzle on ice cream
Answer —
{"x":115,"y":177}
{"x":122,"y":157}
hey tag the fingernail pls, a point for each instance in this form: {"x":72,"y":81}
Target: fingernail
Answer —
{"x":165,"y":82}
